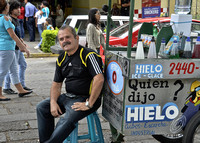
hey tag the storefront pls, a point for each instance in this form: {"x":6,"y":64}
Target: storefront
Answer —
{"x":153,"y":7}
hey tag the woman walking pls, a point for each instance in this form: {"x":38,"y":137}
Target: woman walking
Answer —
{"x":94,"y":35}
{"x":8,"y":40}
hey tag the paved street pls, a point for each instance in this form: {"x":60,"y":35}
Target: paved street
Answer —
{"x":18,"y":123}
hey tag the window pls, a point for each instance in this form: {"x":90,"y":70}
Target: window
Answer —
{"x":67,"y":21}
{"x":121,"y":30}
{"x":81,"y":27}
{"x":195,"y":27}
{"x":113,"y":25}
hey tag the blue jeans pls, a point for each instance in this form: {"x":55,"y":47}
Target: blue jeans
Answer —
{"x":21,"y":23}
{"x":66,"y":124}
{"x":8,"y":63}
{"x":22,"y":67}
{"x":40,"y":30}
{"x":31,"y":28}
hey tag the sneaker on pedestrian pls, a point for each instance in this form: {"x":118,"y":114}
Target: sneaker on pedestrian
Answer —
{"x":36,"y":47}
{"x":9,"y":91}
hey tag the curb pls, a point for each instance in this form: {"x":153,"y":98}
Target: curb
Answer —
{"x":41,"y":55}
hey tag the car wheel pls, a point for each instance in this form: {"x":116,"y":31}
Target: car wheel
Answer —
{"x":192,"y":130}
{"x":169,"y":138}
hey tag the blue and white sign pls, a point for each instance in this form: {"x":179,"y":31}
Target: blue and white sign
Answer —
{"x":114,"y":77}
{"x":151,"y":12}
{"x":151,"y":112}
{"x":148,"y":70}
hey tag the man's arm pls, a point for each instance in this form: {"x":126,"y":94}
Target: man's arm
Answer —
{"x":36,"y":19}
{"x":54,"y":94}
{"x":97,"y":85}
{"x":42,"y":11}
{"x":126,"y":4}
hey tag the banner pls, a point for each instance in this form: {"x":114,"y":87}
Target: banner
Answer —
{"x":150,"y":8}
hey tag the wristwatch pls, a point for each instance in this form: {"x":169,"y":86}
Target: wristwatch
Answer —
{"x":88,"y":105}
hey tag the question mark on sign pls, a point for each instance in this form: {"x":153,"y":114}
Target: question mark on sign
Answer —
{"x":181,"y":87}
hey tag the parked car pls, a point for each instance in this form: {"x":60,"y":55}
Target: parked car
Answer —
{"x":79,"y":22}
{"x":119,"y":36}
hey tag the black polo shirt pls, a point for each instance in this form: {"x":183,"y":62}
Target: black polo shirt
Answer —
{"x":78,"y":70}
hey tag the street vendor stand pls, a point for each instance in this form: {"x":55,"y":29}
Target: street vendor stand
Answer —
{"x":156,"y":97}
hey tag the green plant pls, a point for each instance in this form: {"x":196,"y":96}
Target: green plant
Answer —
{"x":48,"y":39}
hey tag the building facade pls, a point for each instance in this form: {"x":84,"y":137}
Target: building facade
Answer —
{"x":165,"y":7}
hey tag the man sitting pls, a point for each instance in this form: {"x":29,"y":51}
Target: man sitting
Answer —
{"x":81,"y":68}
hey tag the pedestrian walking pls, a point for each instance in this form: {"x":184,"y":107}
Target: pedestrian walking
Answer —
{"x":59,"y":16}
{"x":30,"y":11}
{"x":94,"y":35}
{"x":125,"y":6}
{"x":39,"y":24}
{"x":7,"y":51}
{"x":83,"y":83}
{"x":47,"y":26}
{"x":21,"y":19}
{"x":45,"y":11}
{"x":14,"y":13}
{"x":115,"y":11}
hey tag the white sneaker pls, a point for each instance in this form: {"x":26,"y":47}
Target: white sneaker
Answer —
{"x":36,"y":47}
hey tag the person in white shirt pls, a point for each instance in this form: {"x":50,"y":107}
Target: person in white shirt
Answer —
{"x":39,"y":25}
{"x":44,"y":11}
{"x":60,"y":17}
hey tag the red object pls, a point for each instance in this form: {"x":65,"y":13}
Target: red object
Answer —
{"x":196,"y":52}
{"x":102,"y":54}
{"x":22,"y":13}
{"x":122,"y":39}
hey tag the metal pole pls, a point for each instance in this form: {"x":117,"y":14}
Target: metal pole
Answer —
{"x":196,"y":11}
{"x":108,"y":25}
{"x":130,"y":29}
{"x":168,"y":7}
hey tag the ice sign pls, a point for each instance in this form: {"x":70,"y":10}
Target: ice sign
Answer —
{"x":148,"y":69}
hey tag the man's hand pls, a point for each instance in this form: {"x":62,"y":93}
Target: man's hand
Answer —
{"x":79,"y":106}
{"x":55,"y":109}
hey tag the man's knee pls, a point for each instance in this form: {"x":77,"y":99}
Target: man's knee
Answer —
{"x":43,"y":106}
{"x":39,"y":107}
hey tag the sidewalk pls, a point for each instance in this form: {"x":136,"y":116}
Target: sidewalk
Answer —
{"x":18,"y":122}
{"x":36,"y":53}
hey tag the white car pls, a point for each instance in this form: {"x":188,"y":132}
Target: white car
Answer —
{"x":79,"y":22}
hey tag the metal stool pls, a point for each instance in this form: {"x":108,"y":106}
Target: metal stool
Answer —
{"x":94,"y":137}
